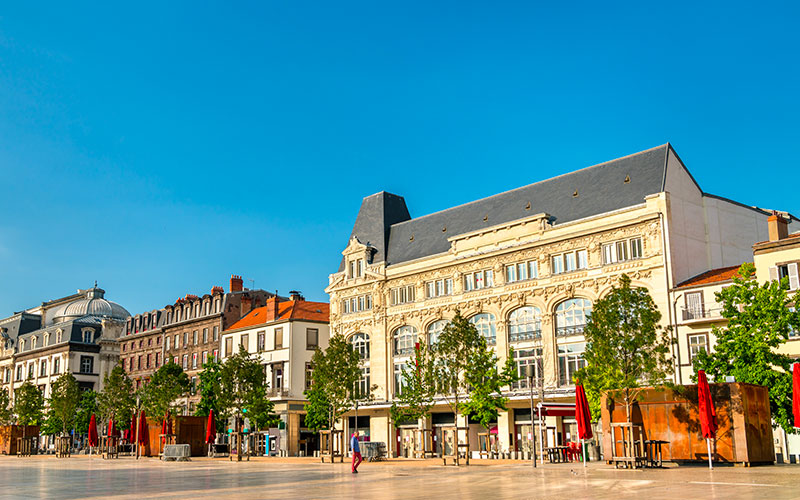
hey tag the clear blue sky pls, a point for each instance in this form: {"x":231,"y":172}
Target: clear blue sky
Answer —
{"x":160,"y":147}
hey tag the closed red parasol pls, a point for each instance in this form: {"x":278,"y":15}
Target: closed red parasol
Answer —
{"x":211,"y":428}
{"x":142,"y":428}
{"x":111,"y":430}
{"x":796,"y":394}
{"x":93,"y":431}
{"x":583,"y":416}
{"x":132,"y":431}
{"x":708,"y":416}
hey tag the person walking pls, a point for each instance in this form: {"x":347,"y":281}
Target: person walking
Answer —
{"x":356,"y":449}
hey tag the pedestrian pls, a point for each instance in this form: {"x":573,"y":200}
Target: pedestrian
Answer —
{"x":356,"y":449}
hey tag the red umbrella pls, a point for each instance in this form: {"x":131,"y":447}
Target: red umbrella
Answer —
{"x":796,"y":393}
{"x":111,"y":431}
{"x":142,"y":428}
{"x":583,"y":416}
{"x":132,"y":430}
{"x":708,"y":416}
{"x":93,"y":431}
{"x":211,"y":429}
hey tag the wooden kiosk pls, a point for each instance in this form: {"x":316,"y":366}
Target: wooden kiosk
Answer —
{"x":331,"y":444}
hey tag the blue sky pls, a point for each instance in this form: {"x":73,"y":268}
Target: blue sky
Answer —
{"x":160,"y":147}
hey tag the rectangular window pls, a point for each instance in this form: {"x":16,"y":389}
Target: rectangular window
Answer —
{"x":478,"y":280}
{"x":228,"y":346}
{"x":158,"y":359}
{"x":216,"y":354}
{"x":439,"y":288}
{"x":149,"y":358}
{"x":402,"y":295}
{"x":312,"y":338}
{"x":194,"y":361}
{"x":139,"y":362}
{"x":185,"y":362}
{"x":623,"y":250}
{"x":524,"y":358}
{"x":245,"y":342}
{"x":569,"y":261}
{"x":279,"y":338}
{"x":262,"y":341}
{"x":185,"y":339}
{"x":193,"y":387}
{"x":194,"y":337}
{"x":570,"y":360}
{"x":19,"y":373}
{"x":56,"y":365}
{"x":399,"y":383}
{"x":216,"y":333}
{"x":558,"y":264}
{"x":792,"y":332}
{"x":87,"y":364}
{"x":357,"y":304}
{"x":309,"y":375}
{"x":204,"y":358}
{"x":205,"y":335}
{"x":43,"y":368}
{"x":277,"y":377}
{"x":166,"y":343}
{"x":697,"y":343}
{"x":694,"y":306}
{"x":177,"y":341}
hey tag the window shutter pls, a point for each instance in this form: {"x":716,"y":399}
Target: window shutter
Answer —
{"x":794,"y":280}
{"x":773,"y":273}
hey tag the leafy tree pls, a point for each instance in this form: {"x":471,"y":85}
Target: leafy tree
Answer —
{"x":486,"y":382}
{"x":626,"y":348}
{"x":64,"y":400}
{"x":6,"y":410}
{"x":337,"y":370}
{"x":117,"y":399}
{"x":86,"y":407}
{"x":210,"y":387}
{"x":167,"y":384}
{"x":759,"y":321}
{"x":28,"y":405}
{"x":453,"y":357}
{"x":51,"y":424}
{"x":419,"y":388}
{"x":243,"y":389}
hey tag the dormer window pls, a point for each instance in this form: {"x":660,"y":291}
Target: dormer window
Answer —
{"x":59,"y":335}
{"x":356,"y":268}
{"x":21,"y":345}
{"x":88,"y":335}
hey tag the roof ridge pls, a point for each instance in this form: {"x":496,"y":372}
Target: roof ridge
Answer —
{"x":596,"y":165}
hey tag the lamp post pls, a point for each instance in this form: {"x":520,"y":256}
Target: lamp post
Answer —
{"x":530,"y":372}
{"x":136,"y":423}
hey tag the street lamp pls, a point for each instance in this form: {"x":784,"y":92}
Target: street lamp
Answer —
{"x":137,"y":416}
{"x":530,"y":373}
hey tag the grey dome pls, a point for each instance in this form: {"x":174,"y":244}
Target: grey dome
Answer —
{"x":93,"y":304}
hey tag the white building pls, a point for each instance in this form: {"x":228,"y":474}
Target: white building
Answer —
{"x":284,"y":336}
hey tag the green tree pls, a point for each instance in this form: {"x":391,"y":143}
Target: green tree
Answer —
{"x":419,"y":388}
{"x":210,"y":387}
{"x":337,"y":370}
{"x":626,"y":348}
{"x":6,"y":410}
{"x":486,"y":381}
{"x":167,"y":384}
{"x":86,"y":407}
{"x":453,"y":357}
{"x":243,"y":390}
{"x":759,"y":322}
{"x":117,"y":400}
{"x":64,"y":399}
{"x":28,"y":405}
{"x":51,"y":424}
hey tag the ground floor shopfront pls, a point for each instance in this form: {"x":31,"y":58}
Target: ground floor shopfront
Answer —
{"x":554,"y":425}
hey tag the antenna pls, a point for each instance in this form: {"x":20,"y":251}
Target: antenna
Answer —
{"x":252,"y":283}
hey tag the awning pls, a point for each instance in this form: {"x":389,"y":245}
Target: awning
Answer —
{"x":557,"y":409}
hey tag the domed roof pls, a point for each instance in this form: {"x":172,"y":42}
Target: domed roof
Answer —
{"x":93,"y":304}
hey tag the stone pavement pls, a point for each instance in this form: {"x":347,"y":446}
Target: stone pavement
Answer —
{"x":95,"y":478}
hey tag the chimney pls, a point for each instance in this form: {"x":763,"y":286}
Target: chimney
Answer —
{"x":236,"y":283}
{"x":778,"y":227}
{"x":272,"y":308}
{"x":247,"y":304}
{"x":296,"y":296}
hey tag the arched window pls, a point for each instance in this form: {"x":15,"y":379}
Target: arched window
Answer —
{"x":46,"y":338}
{"x":21,"y":345}
{"x":571,"y":316}
{"x":404,"y":339}
{"x":33,"y":342}
{"x":59,"y":336}
{"x":485,"y":324}
{"x":360,"y":343}
{"x":524,"y":324}
{"x":434,"y":329}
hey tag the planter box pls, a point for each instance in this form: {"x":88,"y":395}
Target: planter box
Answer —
{"x":188,"y":430}
{"x":9,"y":435}
{"x":744,"y":433}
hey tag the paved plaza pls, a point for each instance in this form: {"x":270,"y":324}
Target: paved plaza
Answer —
{"x":94,"y":478}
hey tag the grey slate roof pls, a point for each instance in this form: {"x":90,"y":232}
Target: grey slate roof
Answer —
{"x":600,"y":189}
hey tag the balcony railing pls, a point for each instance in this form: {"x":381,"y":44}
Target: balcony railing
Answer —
{"x":568,"y":331}
{"x":274,"y":393}
{"x":523,"y":336}
{"x":692,"y":313}
{"x":404,"y":351}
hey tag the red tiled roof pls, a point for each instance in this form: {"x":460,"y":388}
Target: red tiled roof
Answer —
{"x":712,"y":276}
{"x":290,"y":309}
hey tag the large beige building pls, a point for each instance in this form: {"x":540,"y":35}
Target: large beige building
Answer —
{"x":525,"y":266}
